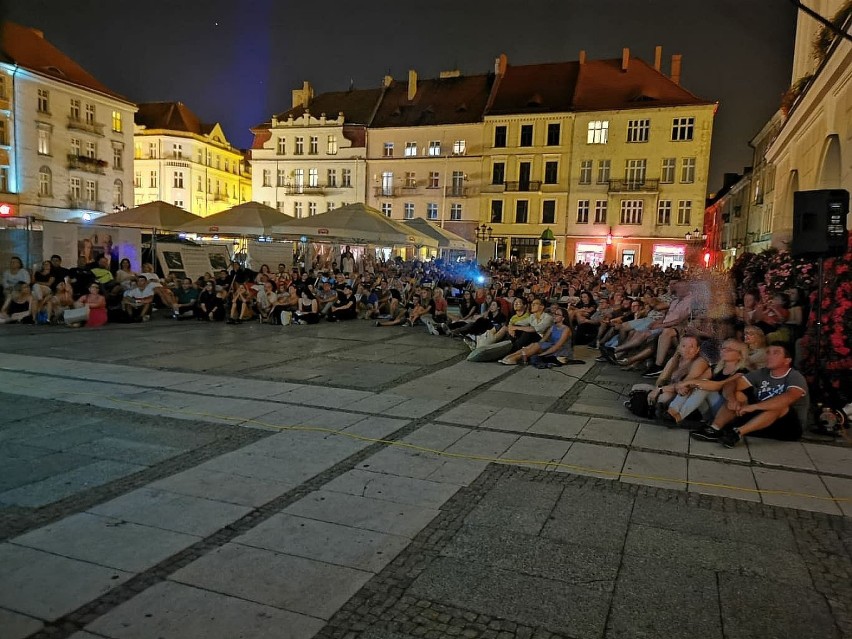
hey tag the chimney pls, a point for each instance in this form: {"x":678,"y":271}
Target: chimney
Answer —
{"x":676,"y":60}
{"x":500,"y":64}
{"x":38,"y":32}
{"x":412,"y":84}
{"x":582,"y":58}
{"x":302,"y":97}
{"x":625,"y":59}
{"x":386,"y":82}
{"x":658,"y":58}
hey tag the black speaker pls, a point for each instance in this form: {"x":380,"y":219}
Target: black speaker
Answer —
{"x":819,"y":223}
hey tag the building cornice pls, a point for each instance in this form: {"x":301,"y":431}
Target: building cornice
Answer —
{"x":24,"y":72}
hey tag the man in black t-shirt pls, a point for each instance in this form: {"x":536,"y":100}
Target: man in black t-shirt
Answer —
{"x":345,"y":308}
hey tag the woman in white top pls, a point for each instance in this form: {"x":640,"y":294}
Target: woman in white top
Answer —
{"x":14,"y":274}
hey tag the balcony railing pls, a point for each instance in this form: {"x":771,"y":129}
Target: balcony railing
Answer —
{"x":457,"y":191}
{"x":527,"y":185}
{"x":75,"y":202}
{"x":494,"y":188}
{"x":178,"y":164}
{"x":386,"y":191}
{"x":81,"y":125}
{"x":302,"y":189}
{"x":630,"y":186}
{"x":85,"y":163}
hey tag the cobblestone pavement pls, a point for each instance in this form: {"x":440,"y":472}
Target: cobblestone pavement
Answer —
{"x":174,"y":480}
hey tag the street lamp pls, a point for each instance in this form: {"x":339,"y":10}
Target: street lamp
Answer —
{"x":483,"y":232}
{"x":695,"y":236}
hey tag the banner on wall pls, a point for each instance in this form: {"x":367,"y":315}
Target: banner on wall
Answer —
{"x":73,"y":241}
{"x":270,"y":253}
{"x":187,"y":260}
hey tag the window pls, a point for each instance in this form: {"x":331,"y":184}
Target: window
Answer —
{"x":90,"y":114}
{"x":218,"y":160}
{"x":299,"y":180}
{"x":631,"y":211}
{"x":118,"y":193}
{"x":548,"y":211}
{"x":526,"y":135}
{"x":314,"y":147}
{"x":387,"y":209}
{"x":74,"y":112}
{"x":91,"y":150}
{"x":313,"y":177}
{"x":664,"y":212}
{"x":329,"y":206}
{"x":387,"y":183}
{"x":312,"y":209}
{"x":638,"y":130}
{"x":153,"y":180}
{"x":178,"y":180}
{"x":583,"y":212}
{"x":177,"y":151}
{"x":117,"y":157}
{"x":410,"y":180}
{"x":331,"y":178}
{"x":297,"y":209}
{"x":4,"y":179}
{"x":332,"y":145}
{"x":598,"y":132}
{"x":137,"y":179}
{"x":281,"y":177}
{"x":604,"y":171}
{"x":43,"y":103}
{"x":434,"y":180}
{"x":600,"y":211}
{"x":434,"y":149}
{"x":346,"y":178}
{"x":75,"y":188}
{"x":459,"y":147}
{"x":585,"y":171}
{"x":227,"y":165}
{"x":684,"y":211}
{"x":496,"y":211}
{"x":152,"y":150}
{"x":553,"y":134}
{"x":408,"y":210}
{"x":687,"y":170}
{"x":388,"y":153}
{"x":75,"y":146}
{"x":91,"y":191}
{"x":634,"y":172}
{"x":551,"y":172}
{"x":683,"y":129}
{"x":300,"y":146}
{"x":522,"y":211}
{"x":431,"y":211}
{"x":267,"y":178}
{"x":499,"y":137}
{"x":45,"y":182}
{"x":209,"y":185}
{"x":410,"y":149}
{"x":455,"y":212}
{"x":116,"y":121}
{"x":43,"y":141}
{"x":498,"y":173}
{"x":199,"y":184}
{"x":667,"y":171}
{"x":280,"y":205}
{"x":282,"y":146}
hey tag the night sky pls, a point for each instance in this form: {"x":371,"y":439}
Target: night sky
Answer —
{"x":236,"y":62}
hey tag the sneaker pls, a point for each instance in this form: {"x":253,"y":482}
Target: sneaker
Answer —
{"x":707,"y":434}
{"x":433,"y":330}
{"x":730,"y":437}
{"x":654,"y":371}
{"x":602,"y":358}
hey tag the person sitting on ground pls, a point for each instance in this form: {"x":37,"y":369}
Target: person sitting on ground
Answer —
{"x":769,"y":402}
{"x":209,"y":307}
{"x":582,"y":310}
{"x":138,"y":300}
{"x":59,"y":302}
{"x":286,"y":299}
{"x":529,"y":332}
{"x":307,"y":310}
{"x":703,"y":394}
{"x":125,"y":275}
{"x":14,"y":274}
{"x":755,"y":339}
{"x":241,"y":306}
{"x":326,"y":298}
{"x":403,"y":313}
{"x":345,"y":308}
{"x":97,"y":305}
{"x":421,"y":307}
{"x":19,"y":306}
{"x":772,"y":317}
{"x":165,"y":295}
{"x":186,"y":298}
{"x":556,"y":343}
{"x":686,"y":365}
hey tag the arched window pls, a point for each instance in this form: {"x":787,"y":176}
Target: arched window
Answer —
{"x":45,"y":182}
{"x":117,"y":193}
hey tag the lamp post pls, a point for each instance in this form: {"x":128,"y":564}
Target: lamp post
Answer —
{"x":483,"y":233}
{"x":486,"y":248}
{"x":696,"y":239}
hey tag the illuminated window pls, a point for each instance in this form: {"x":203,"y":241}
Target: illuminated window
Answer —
{"x":332,"y":145}
{"x":455,"y":212}
{"x":684,"y":212}
{"x":434,"y":149}
{"x":459,"y":147}
{"x":600,"y":211}
{"x":664,"y":212}
{"x":598,"y":132}
{"x":631,"y":211}
{"x":583,"y":212}
{"x":45,"y":182}
{"x":299,"y":180}
{"x":116,"y":121}
{"x":638,"y":130}
{"x":43,"y":141}
{"x":667,"y":171}
{"x":431,"y":211}
{"x":683,"y":129}
{"x":313,"y":177}
{"x":410,"y":149}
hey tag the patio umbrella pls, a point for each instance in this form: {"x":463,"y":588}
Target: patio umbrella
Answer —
{"x":446,"y":239}
{"x":356,"y":223}
{"x":251,"y":218}
{"x":158,"y":215}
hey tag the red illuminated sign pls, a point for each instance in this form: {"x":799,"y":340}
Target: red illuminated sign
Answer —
{"x":6,"y":209}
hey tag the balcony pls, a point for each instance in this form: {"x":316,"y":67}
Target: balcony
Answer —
{"x":89,"y":127}
{"x":457,"y":191}
{"x":75,"y":202}
{"x":386,"y":191}
{"x":494,"y":188}
{"x":633,"y":186}
{"x":178,"y":164}
{"x":409,"y":189}
{"x":85,"y":163}
{"x":524,"y":186}
{"x":301,"y":189}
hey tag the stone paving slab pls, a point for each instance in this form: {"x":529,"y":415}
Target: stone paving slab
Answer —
{"x":796,"y":483}
{"x":436,"y":436}
{"x":47,"y":586}
{"x":578,"y":514}
{"x":653,"y":469}
{"x":589,"y":459}
{"x":175,"y":610}
{"x":223,"y":487}
{"x":400,"y":490}
{"x":516,"y":507}
{"x":512,"y":419}
{"x":528,"y":451}
{"x":291,"y":583}
{"x":17,"y":626}
{"x":558,"y":425}
{"x":701,"y":472}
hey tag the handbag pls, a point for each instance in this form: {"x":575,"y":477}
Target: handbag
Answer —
{"x":637,"y":403}
{"x":286,"y":318}
{"x":75,"y":315}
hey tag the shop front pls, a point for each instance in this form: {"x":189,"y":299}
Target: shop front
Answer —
{"x":669,"y":255}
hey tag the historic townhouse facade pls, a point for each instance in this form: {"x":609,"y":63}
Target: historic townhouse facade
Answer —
{"x":180,"y":160}
{"x":312,"y":158}
{"x":424,"y":150}
{"x":66,"y":140}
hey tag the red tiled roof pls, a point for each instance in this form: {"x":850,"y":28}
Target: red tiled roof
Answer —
{"x":535,"y":88}
{"x":172,"y":116}
{"x":357,"y":106}
{"x":453,"y":100}
{"x":27,"y":48}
